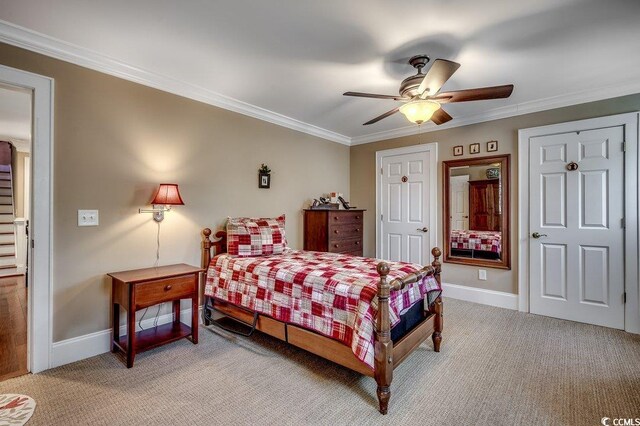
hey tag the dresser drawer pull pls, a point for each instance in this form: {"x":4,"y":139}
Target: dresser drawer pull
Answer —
{"x":357,"y":217}
{"x":335,"y":218}
{"x":336,"y":231}
{"x":167,"y":288}
{"x":357,"y":229}
{"x":335,"y":245}
{"x":357,"y":243}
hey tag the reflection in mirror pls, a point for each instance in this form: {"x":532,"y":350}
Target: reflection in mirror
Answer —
{"x":475,"y":232}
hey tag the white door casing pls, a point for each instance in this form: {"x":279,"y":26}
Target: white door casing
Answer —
{"x":459,"y":202}
{"x":405,"y":203}
{"x":39,"y":318}
{"x":592,"y":245}
{"x":577,"y":265}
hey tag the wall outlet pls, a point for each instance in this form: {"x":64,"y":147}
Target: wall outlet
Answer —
{"x":87,"y":217}
{"x":482,"y":274}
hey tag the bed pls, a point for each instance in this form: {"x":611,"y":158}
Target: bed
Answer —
{"x":487,"y":243}
{"x":360,"y":313}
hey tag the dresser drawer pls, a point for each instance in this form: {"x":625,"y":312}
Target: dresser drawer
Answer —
{"x":345,"y":246}
{"x":345,"y":232}
{"x":158,"y":291}
{"x":344,"y":217}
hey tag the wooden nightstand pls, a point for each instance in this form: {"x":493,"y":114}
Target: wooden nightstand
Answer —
{"x":141,"y":288}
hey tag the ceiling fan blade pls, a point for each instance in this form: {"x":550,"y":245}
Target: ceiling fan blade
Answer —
{"x":438,"y":74}
{"x":380,"y":117}
{"x":440,"y":117}
{"x":479,"y":94}
{"x":372,"y":95}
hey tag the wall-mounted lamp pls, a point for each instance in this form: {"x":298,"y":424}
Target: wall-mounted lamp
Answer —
{"x":167,"y":196}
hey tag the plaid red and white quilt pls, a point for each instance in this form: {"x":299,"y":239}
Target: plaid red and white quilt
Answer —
{"x":476,"y":240}
{"x":331,"y":294}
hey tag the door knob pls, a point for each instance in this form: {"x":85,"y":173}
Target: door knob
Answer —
{"x":538,"y":235}
{"x":425,"y":229}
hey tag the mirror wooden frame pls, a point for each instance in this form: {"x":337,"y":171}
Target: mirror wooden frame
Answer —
{"x":505,"y":172}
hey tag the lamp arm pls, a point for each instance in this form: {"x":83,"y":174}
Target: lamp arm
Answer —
{"x":155,"y":210}
{"x":158,"y":213}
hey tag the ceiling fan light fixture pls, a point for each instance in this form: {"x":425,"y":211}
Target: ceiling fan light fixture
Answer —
{"x":420,"y":110}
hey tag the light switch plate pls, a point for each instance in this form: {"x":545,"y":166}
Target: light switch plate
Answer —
{"x":482,"y":274}
{"x":87,"y":217}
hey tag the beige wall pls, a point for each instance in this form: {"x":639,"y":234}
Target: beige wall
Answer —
{"x":115,"y":141}
{"x":505,"y":131}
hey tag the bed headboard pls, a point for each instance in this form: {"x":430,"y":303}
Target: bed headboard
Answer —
{"x":219,"y":245}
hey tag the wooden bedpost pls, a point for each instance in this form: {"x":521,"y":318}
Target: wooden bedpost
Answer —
{"x":383,"y":348}
{"x":437,"y":304}
{"x":206,"y":259}
{"x":206,"y":248}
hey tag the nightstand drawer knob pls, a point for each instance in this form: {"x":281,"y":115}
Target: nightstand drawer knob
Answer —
{"x":167,"y":288}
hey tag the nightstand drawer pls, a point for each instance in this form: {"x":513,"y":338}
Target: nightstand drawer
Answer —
{"x":164,"y":290}
{"x":344,"y":246}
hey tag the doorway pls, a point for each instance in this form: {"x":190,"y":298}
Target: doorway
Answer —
{"x":406,"y":189}
{"x":16,"y":124}
{"x":578,"y":221}
{"x":39,"y":243}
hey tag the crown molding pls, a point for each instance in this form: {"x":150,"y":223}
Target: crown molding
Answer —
{"x":560,"y":101}
{"x":40,"y":43}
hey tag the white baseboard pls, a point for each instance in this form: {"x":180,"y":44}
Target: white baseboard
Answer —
{"x":499,"y":299}
{"x":81,"y":347}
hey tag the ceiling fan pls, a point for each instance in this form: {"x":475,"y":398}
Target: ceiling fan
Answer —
{"x":422,"y":97}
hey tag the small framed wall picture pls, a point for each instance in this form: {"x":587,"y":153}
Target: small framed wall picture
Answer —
{"x":474,"y":148}
{"x":264,"y":181}
{"x":458,"y":150}
{"x":492,"y":146}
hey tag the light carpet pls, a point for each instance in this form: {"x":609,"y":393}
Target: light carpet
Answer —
{"x":496,"y":367}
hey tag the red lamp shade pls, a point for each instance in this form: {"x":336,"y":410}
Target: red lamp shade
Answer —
{"x":168,"y":195}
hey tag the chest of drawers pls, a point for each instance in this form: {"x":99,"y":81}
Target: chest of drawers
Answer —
{"x":335,"y":231}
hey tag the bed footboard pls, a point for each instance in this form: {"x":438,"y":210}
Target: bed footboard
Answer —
{"x":383,"y":349}
{"x":383,"y":345}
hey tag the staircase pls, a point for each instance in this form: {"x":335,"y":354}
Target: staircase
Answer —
{"x":7,"y":227}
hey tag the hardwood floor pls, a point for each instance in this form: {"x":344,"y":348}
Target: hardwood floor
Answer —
{"x":13,"y":327}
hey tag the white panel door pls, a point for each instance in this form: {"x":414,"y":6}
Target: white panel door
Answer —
{"x":405,"y":207}
{"x":576,"y":241}
{"x":459,"y":202}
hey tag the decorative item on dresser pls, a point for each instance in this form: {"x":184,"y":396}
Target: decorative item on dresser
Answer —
{"x":141,"y":288}
{"x":335,"y":231}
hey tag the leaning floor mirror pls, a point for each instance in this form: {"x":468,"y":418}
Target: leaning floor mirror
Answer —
{"x":476,"y":211}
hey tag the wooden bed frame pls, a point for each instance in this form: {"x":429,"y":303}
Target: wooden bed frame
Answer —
{"x":387,"y":354}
